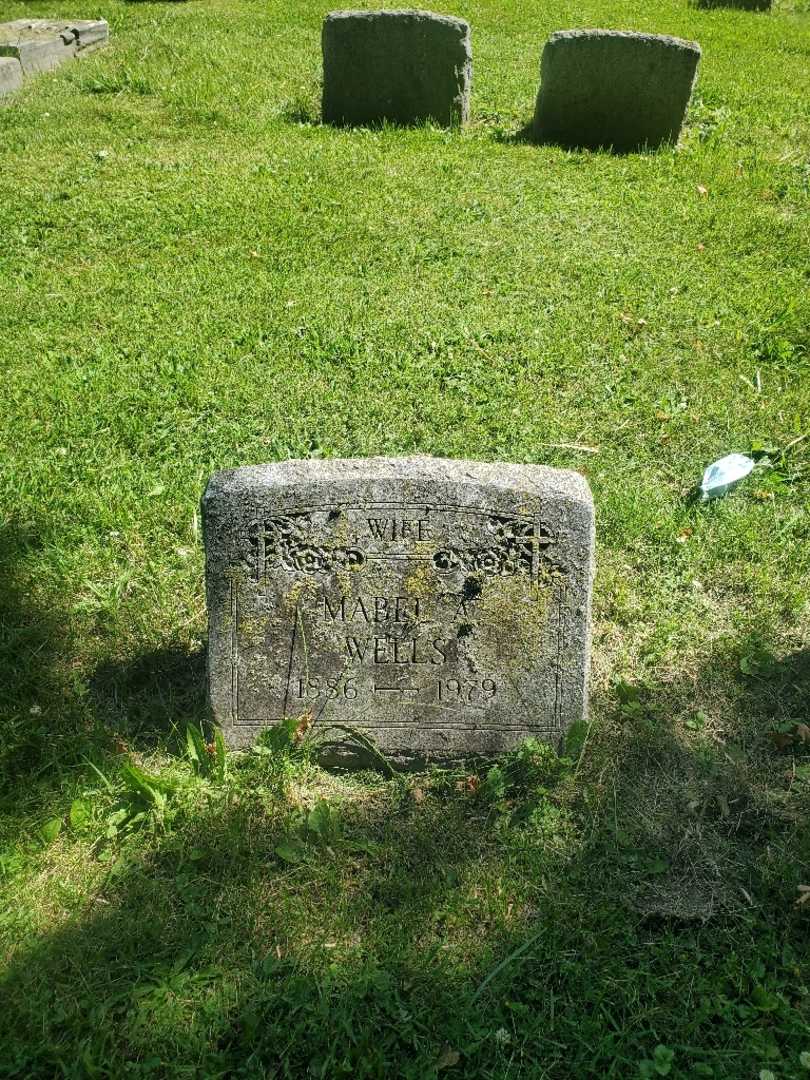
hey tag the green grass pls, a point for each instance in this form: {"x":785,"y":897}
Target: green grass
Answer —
{"x":193,"y":275}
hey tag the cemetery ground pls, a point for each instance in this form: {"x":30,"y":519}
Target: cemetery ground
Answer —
{"x":195,"y":274}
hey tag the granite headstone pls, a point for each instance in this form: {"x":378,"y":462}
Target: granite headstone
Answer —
{"x":614,"y":88}
{"x":402,"y":66}
{"x":440,"y":607}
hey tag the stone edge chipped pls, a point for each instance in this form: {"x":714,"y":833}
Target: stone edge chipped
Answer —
{"x":634,"y":35}
{"x":503,"y":475}
{"x":415,"y":13}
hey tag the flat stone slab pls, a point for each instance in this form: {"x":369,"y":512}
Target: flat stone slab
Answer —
{"x":440,"y":607}
{"x":11,"y":76}
{"x":44,"y":44}
{"x":614,"y":88}
{"x":406,"y":67}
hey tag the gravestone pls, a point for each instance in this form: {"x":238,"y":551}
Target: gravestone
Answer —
{"x":11,"y":76}
{"x":43,"y":44}
{"x":439,"y":607}
{"x":613,"y":88}
{"x":403,"y":66}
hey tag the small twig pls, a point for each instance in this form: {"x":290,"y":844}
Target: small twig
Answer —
{"x":793,"y":442}
{"x":483,"y":352}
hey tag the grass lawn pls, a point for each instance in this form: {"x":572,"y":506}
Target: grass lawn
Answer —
{"x":194,"y":274}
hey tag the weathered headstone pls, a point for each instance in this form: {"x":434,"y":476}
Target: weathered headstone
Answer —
{"x":440,"y":607}
{"x":614,"y":88}
{"x":43,"y":44}
{"x":11,"y":76}
{"x":402,"y":66}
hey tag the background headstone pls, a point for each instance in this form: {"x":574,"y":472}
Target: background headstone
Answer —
{"x":613,"y":88}
{"x":440,"y":607}
{"x":401,"y":66}
{"x":11,"y":76}
{"x":44,"y":44}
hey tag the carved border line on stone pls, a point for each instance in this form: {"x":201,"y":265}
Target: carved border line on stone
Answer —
{"x":520,"y":545}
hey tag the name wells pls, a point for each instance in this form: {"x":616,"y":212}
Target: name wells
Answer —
{"x":394,"y":647}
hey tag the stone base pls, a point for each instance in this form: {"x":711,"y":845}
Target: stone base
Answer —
{"x":11,"y":76}
{"x":44,"y":44}
{"x":614,"y":89}
{"x":406,"y":67}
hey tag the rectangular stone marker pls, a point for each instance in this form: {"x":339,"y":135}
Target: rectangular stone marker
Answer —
{"x":403,"y":66}
{"x":43,"y":44}
{"x":614,"y":88}
{"x":440,"y":607}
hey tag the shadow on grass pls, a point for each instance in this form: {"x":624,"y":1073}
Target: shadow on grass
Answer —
{"x":148,"y":702}
{"x":53,"y":719}
{"x":36,"y":687}
{"x":526,"y":136}
{"x":738,"y":5}
{"x":564,"y":927}
{"x":302,"y":113}
{"x":307,"y":114}
{"x":522,"y":136}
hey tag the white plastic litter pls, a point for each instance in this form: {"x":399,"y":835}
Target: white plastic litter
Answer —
{"x":722,"y":475}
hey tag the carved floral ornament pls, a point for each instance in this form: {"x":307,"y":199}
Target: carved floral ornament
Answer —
{"x":512,"y":551}
{"x":290,"y":543}
{"x":295,"y":543}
